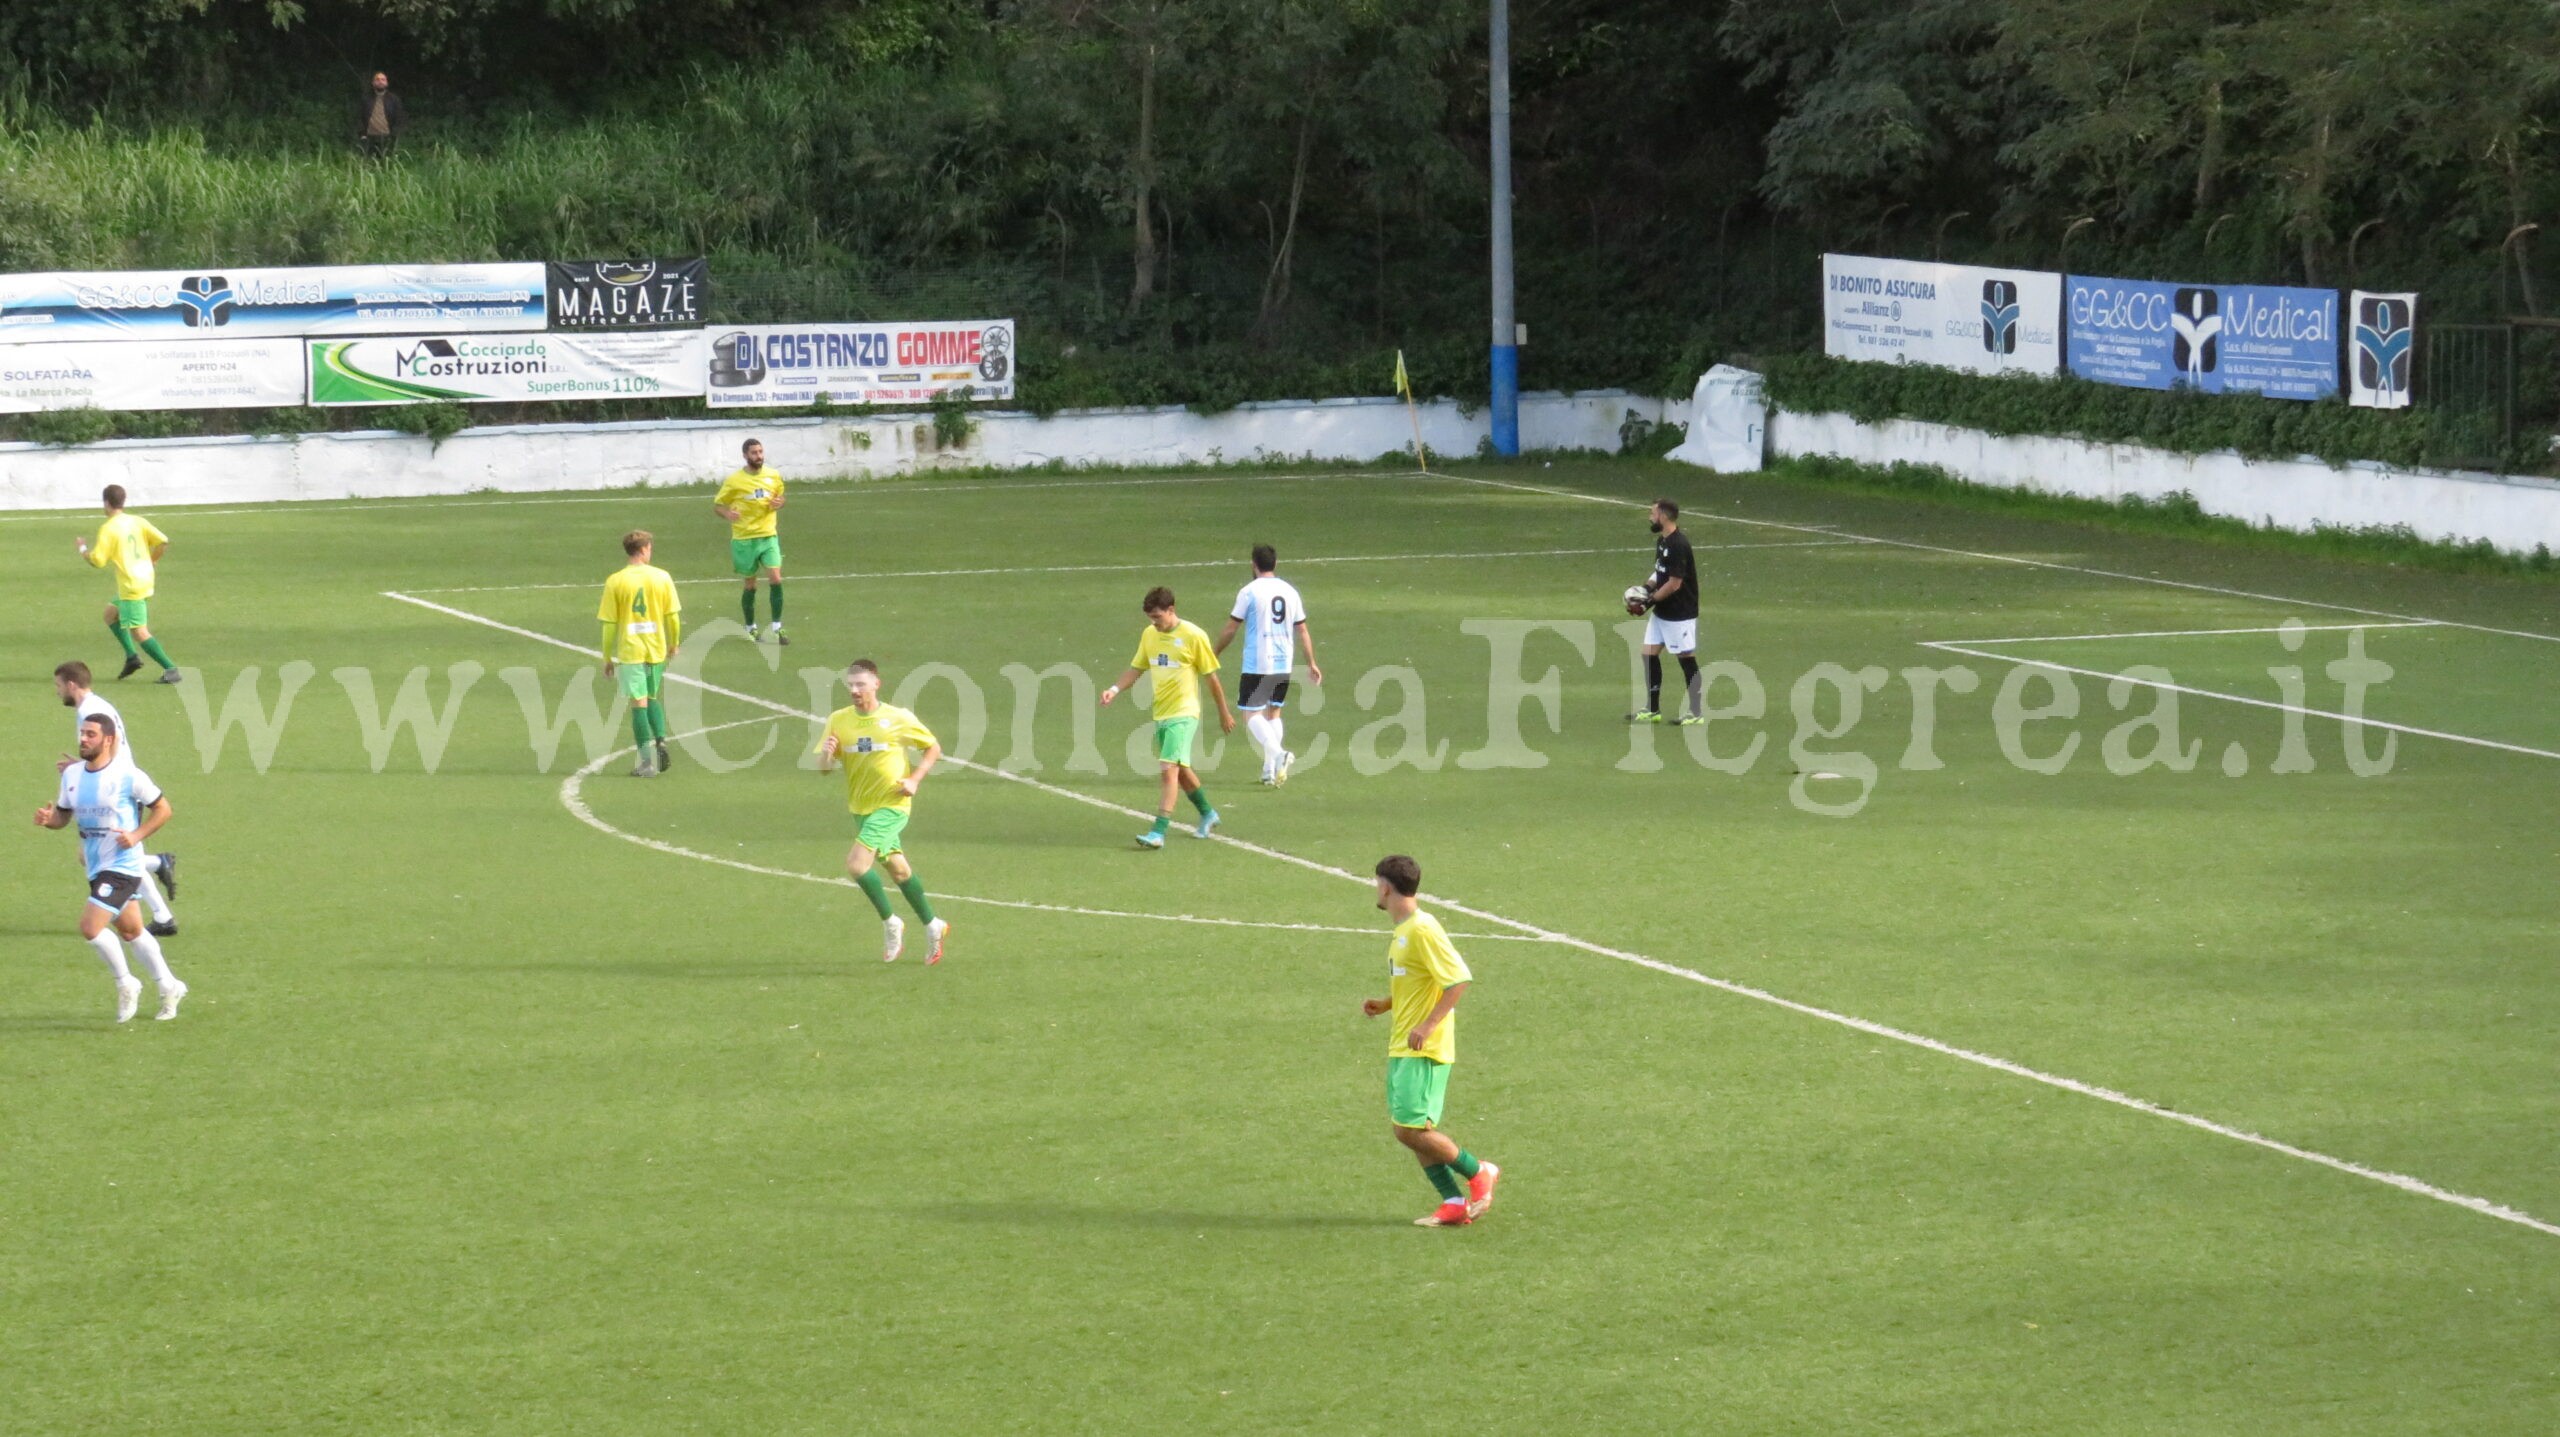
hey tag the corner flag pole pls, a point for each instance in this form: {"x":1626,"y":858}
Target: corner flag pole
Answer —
{"x":1506,"y":328}
{"x":1404,"y":389}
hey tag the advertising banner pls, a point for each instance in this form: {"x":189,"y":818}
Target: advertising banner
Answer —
{"x":270,"y":303}
{"x":2382,"y":351}
{"x":627,"y":294}
{"x":498,"y":369}
{"x":2221,"y":339}
{"x":792,"y":364}
{"x":1955,"y":316}
{"x":152,"y":374}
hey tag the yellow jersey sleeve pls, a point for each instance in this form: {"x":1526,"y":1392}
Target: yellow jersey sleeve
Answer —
{"x":102,"y":550}
{"x":1201,"y":655}
{"x":1435,"y":955}
{"x":151,"y":536}
{"x":912,"y":732}
{"x":609,"y":608}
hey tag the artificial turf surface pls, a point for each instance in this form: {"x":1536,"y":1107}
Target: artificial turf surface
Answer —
{"x":482,"y":1120}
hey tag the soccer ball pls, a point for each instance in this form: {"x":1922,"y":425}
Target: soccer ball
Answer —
{"x":1637,"y":599}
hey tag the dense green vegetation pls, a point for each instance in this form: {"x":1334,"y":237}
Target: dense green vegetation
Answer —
{"x":2181,"y":420}
{"x":1211,"y":200}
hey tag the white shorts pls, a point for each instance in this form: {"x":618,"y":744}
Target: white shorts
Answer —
{"x":1680,"y":636}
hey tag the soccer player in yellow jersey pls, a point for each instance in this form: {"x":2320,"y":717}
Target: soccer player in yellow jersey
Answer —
{"x":1425,"y":980}
{"x":130,"y":545}
{"x":880,"y":787}
{"x":1178,"y":654}
{"x":749,"y":498}
{"x":640,"y":612}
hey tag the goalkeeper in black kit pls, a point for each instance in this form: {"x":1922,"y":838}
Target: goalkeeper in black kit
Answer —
{"x":1669,"y":601}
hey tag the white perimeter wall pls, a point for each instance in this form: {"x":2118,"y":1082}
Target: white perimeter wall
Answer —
{"x":2512,"y":513}
{"x":520,"y":458}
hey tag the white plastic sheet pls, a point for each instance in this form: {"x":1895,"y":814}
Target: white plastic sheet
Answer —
{"x":1728,"y":422}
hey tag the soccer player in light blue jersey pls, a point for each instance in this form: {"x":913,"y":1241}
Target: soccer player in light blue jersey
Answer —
{"x":1272,"y":617}
{"x":117,"y":808}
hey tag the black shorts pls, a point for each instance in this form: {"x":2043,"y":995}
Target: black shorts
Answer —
{"x":112,"y":891}
{"x":1261,"y":691}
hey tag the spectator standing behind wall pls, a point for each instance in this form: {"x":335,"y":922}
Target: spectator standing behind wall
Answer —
{"x":378,"y":119}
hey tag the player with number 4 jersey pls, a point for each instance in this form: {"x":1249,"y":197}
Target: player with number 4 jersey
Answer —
{"x":642,"y":627}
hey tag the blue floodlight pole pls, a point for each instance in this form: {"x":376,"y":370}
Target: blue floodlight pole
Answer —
{"x":1506,"y":329}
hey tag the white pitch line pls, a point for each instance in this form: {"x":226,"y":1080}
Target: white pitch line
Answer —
{"x":920,"y":484}
{"x":1153,"y":567}
{"x":2401,"y":1181}
{"x":2349,"y":719}
{"x":572,"y":797}
{"x":2020,"y":559}
{"x":2193,"y":633}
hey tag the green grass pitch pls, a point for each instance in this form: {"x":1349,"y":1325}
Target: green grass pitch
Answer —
{"x":486,"y":1119}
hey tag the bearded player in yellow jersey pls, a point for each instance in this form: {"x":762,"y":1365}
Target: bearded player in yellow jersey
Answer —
{"x":129,"y":544}
{"x":880,"y":787}
{"x":1177,"y":654}
{"x":1426,"y":978}
{"x":641,"y":630}
{"x":749,"y":499}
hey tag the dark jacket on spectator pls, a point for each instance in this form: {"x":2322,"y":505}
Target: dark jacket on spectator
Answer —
{"x":391,"y":116}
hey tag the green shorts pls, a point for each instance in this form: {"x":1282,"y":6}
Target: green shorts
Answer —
{"x":1174,"y":738}
{"x":883,"y":830}
{"x":133,"y":613}
{"x":643,"y":681}
{"x":1416,"y":1090}
{"x":750,"y":557}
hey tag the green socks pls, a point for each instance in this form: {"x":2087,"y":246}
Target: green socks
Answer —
{"x":640,"y":727}
{"x":1200,"y":801}
{"x":747,"y":604}
{"x":875,"y":890}
{"x":1466,"y":1164}
{"x":1163,"y":822}
{"x":914,"y":889}
{"x":1446,"y":1181}
{"x":158,"y":654}
{"x":658,"y":718}
{"x":773,"y":601}
{"x":124,"y":636}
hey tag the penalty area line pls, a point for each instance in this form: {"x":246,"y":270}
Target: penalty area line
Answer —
{"x":1151,"y":567}
{"x":2418,"y":1187}
{"x":2351,"y":720}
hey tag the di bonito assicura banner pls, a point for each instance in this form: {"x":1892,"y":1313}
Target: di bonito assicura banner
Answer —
{"x":499,"y":369}
{"x":1955,"y":316}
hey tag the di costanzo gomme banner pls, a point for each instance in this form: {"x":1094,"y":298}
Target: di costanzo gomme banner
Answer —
{"x":2217,"y":338}
{"x":270,"y":303}
{"x":495,"y":369}
{"x":627,"y":294}
{"x":1955,"y":316}
{"x":152,"y":374}
{"x":793,"y":364}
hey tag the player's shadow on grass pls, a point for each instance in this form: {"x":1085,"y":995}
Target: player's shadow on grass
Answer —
{"x":1012,"y":1214}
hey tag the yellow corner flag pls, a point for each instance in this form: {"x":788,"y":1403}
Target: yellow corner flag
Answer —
{"x":1404,"y":391}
